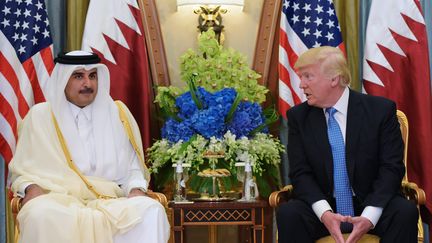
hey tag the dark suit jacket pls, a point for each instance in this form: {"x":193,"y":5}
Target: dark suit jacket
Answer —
{"x":374,"y":151}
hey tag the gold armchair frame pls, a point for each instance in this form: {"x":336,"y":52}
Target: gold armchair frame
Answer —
{"x":410,"y":190}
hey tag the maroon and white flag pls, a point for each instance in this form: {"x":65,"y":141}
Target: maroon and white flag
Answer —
{"x":114,"y":31}
{"x":396,"y":65}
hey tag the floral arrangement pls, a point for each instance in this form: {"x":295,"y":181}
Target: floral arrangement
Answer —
{"x":218,"y":112}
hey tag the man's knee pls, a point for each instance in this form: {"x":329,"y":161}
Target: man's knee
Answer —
{"x":399,"y":214}
{"x":289,"y":213}
{"x":286,"y":210}
{"x":407,"y":212}
{"x":44,"y":212}
{"x":147,"y":204}
{"x":37,"y":209}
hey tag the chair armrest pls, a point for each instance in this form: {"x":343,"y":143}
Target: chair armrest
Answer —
{"x":409,"y":189}
{"x":278,"y":197}
{"x":16,"y":204}
{"x":160,"y":197}
{"x":414,"y":193}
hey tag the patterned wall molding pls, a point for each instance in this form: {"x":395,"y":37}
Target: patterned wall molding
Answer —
{"x":264,"y":50}
{"x":154,"y":42}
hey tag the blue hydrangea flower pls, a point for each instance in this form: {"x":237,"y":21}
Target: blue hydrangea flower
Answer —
{"x":186,"y":104}
{"x":247,"y":117}
{"x":223,"y":99}
{"x":175,"y":131}
{"x":210,"y":120}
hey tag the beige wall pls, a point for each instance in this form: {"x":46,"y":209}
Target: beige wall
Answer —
{"x":179,"y":31}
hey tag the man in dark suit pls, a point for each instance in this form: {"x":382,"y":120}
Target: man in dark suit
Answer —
{"x":369,"y":167}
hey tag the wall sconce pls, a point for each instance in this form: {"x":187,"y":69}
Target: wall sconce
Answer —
{"x":210,"y":13}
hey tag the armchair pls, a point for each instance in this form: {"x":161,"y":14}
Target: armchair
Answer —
{"x":410,"y":190}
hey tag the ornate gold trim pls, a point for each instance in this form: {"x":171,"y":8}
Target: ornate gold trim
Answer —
{"x":128,"y":130}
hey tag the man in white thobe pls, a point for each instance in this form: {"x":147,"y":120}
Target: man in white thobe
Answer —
{"x":79,"y":164}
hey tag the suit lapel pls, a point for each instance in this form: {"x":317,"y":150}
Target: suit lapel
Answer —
{"x":319,"y":126}
{"x":354,"y":126}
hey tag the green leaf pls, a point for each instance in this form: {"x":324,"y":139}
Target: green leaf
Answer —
{"x":166,"y":112}
{"x":233,"y":108}
{"x":274,"y":172}
{"x":193,"y":91}
{"x":270,"y":115}
{"x":263,"y":186}
{"x":185,"y":145}
{"x":207,"y":185}
{"x":165,"y":176}
{"x":227,"y":183}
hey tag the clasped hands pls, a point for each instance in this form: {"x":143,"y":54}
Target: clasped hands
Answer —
{"x":332,"y":221}
{"x":34,"y":190}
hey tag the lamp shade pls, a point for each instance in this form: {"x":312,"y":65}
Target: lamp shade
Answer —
{"x":239,"y":3}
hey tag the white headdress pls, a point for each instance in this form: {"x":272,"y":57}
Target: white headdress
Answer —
{"x":112,"y":146}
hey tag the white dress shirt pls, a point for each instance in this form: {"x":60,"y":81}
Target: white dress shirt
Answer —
{"x":321,"y":206}
{"x":83,"y":121}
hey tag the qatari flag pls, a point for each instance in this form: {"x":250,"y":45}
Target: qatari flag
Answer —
{"x":114,"y":31}
{"x":396,"y":65}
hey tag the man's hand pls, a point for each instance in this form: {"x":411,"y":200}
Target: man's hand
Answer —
{"x":361,"y":226}
{"x":31,"y":192}
{"x":136,"y":192}
{"x":332,"y":222}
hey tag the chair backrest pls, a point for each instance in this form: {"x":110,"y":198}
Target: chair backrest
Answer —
{"x":421,"y":197}
{"x":403,"y":122}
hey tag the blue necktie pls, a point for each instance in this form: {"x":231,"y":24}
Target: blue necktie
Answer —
{"x":343,"y":193}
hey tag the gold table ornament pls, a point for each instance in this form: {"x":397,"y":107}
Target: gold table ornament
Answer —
{"x":213,"y":173}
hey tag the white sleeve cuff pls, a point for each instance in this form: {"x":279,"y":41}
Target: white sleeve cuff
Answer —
{"x":21,"y":190}
{"x":320,"y":207}
{"x":140,"y":184}
{"x":372,"y":213}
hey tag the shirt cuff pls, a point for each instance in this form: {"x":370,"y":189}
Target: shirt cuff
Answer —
{"x":140,"y":184}
{"x":21,"y":190}
{"x":320,"y":207}
{"x":373,"y":214}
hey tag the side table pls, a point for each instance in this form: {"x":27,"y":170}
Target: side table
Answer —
{"x":255,"y":218}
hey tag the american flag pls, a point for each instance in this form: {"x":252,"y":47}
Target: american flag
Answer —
{"x":26,"y":61}
{"x":304,"y":24}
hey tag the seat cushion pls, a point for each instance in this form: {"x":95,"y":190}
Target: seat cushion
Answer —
{"x":367,"y":238}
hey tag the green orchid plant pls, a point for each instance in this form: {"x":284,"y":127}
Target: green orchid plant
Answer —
{"x":218,"y":112}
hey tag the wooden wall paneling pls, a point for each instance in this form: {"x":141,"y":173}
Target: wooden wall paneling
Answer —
{"x":154,"y":42}
{"x":268,"y":29}
{"x":156,"y":57}
{"x":272,"y":82}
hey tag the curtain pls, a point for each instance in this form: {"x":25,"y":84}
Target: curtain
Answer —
{"x":348,"y":15}
{"x":76,"y":14}
{"x":57,"y":19}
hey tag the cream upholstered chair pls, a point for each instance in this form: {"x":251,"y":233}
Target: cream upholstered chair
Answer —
{"x":410,"y":190}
